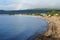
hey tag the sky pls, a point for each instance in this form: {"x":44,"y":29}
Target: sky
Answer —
{"x":28,"y":4}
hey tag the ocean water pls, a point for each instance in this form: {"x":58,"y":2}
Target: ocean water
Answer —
{"x":21,"y":27}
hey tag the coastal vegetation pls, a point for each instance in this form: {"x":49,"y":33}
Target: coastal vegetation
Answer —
{"x":52,"y":13}
{"x":36,"y":12}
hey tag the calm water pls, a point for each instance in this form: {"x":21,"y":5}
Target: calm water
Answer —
{"x":21,"y":27}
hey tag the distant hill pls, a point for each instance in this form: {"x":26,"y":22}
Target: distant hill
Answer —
{"x":28,"y":11}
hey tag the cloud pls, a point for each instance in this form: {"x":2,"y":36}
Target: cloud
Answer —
{"x":28,"y":4}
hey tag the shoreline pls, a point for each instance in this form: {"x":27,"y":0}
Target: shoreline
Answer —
{"x":54,"y":28}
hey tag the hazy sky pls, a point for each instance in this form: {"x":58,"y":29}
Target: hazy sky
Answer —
{"x":28,"y":4}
